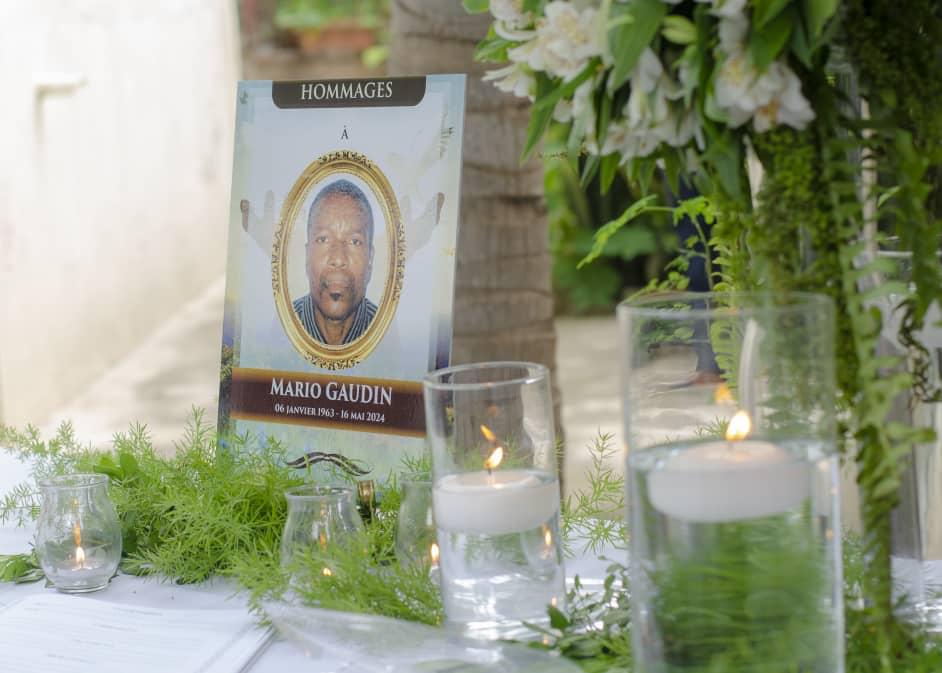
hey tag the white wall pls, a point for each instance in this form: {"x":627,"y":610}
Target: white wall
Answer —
{"x":113,"y":193}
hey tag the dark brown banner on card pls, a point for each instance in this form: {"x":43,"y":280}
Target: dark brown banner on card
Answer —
{"x":341,"y":402}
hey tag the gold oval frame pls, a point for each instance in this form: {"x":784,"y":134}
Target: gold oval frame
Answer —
{"x":315,"y":352}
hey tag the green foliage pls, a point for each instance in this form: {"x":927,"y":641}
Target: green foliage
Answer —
{"x":609,"y":229}
{"x":594,"y":630}
{"x":187,"y":517}
{"x":631,"y":34}
{"x":475,"y":6}
{"x":748,"y":599}
{"x":633,"y":254}
{"x":20,"y":568}
{"x":767,"y":41}
{"x":303,"y":14}
{"x":595,"y":515}
{"x":548,"y":94}
{"x":361,"y":575}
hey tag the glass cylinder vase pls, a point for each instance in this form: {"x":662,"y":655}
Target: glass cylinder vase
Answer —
{"x":495,"y":496}
{"x":78,"y":535}
{"x":729,"y":410}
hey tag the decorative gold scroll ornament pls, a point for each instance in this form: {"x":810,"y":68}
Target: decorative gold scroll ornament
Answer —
{"x":325,"y":166}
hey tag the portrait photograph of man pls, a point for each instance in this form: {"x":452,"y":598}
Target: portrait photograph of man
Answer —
{"x":338,"y":262}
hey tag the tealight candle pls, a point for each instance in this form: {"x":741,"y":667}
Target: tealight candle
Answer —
{"x":729,"y":481}
{"x":78,"y":537}
{"x":508,"y":501}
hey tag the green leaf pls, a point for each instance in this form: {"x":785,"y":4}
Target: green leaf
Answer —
{"x":607,"y":230}
{"x":631,"y":242}
{"x":800,"y":45}
{"x":589,"y":169}
{"x":679,"y":29}
{"x":629,"y":40}
{"x":540,"y":116}
{"x":725,"y":154}
{"x":817,"y":13}
{"x":493,"y":50}
{"x":128,"y":464}
{"x":608,"y":169}
{"x":556,"y":93}
{"x":557,"y":619}
{"x":475,"y":6}
{"x":766,"y":10}
{"x":534,"y":6}
{"x":887,"y":195}
{"x":547,"y":95}
{"x":604,"y":117}
{"x":766,"y":44}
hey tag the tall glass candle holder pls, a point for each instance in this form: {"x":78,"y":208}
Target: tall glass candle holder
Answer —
{"x":495,"y":496}
{"x":78,"y":536}
{"x":733,"y":483}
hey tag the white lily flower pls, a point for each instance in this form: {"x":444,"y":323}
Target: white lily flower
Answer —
{"x":733,"y":31}
{"x":769,"y":99}
{"x":648,"y":72}
{"x":566,"y":39}
{"x":510,"y":13}
{"x":726,"y":8}
{"x":514,"y":78}
{"x":522,"y":54}
{"x":616,"y":138}
{"x":513,"y":34}
{"x":735,"y":91}
{"x":788,"y":105}
{"x":563,"y":111}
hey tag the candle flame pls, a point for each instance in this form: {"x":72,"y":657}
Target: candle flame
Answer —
{"x":493,"y":460}
{"x":434,"y":552}
{"x":722,"y":394}
{"x":739,"y":427}
{"x":488,"y":434}
{"x":79,"y":552}
{"x":547,"y":536}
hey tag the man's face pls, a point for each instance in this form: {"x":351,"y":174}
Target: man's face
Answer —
{"x":339,"y":256}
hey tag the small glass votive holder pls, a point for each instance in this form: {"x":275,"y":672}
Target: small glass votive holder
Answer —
{"x":495,"y":496}
{"x":318,"y":516}
{"x":415,"y":528}
{"x":729,"y":408}
{"x":78,"y":535}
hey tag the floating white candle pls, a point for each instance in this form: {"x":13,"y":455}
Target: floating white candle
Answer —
{"x":508,"y":501}
{"x":729,"y":481}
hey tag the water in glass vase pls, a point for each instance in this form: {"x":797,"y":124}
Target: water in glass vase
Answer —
{"x":501,"y":554}
{"x":736,"y":558}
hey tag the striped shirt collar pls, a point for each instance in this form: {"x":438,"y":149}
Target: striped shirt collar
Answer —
{"x":365,"y":311}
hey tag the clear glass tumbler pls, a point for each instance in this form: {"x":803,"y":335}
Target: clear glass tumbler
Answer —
{"x":495,"y":496}
{"x":729,"y":410}
{"x":318,"y":516}
{"x":78,"y":536}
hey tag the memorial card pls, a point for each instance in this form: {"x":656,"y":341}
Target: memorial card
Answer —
{"x":341,"y":261}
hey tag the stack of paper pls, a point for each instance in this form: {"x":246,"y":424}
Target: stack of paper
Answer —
{"x":71,"y":634}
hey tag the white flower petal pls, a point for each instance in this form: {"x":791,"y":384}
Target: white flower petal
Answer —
{"x":510,"y":13}
{"x":514,"y":35}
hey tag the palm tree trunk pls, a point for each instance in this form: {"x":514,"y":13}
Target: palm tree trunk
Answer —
{"x":503,"y":298}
